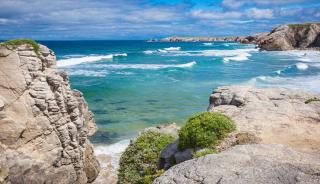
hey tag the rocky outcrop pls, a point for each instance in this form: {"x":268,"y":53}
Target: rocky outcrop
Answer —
{"x":285,"y":37}
{"x":44,"y":124}
{"x":277,"y":115}
{"x":292,"y":36}
{"x":199,"y":39}
{"x":247,"y":164}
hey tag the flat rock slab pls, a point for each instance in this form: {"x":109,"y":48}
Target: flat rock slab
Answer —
{"x":275,"y":115}
{"x":247,"y":164}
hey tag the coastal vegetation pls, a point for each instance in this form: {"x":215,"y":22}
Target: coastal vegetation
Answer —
{"x":205,"y":130}
{"x":16,"y":42}
{"x":310,"y":100}
{"x":139,"y":162}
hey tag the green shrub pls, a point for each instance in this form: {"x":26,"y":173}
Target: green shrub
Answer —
{"x":204,"y":152}
{"x":17,"y":42}
{"x":139,"y":162}
{"x":204,"y":130}
{"x":314,"y":99}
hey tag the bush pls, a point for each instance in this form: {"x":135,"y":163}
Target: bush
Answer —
{"x":17,"y":42}
{"x":204,"y":130}
{"x":310,"y":100}
{"x":204,"y":152}
{"x":139,"y":162}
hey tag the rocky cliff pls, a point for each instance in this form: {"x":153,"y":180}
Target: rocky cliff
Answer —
{"x":44,"y":124}
{"x":288,"y":37}
{"x":287,"y":125}
{"x":285,"y":37}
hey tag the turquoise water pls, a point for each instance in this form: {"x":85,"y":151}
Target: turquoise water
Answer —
{"x":130,"y":85}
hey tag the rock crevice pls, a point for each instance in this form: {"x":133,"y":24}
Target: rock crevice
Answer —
{"x":44,"y":124}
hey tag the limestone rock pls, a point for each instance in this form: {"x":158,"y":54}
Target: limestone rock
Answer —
{"x":44,"y":124}
{"x":276,"y":115}
{"x":247,"y":164}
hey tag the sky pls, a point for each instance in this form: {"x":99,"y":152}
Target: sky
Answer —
{"x":144,"y":19}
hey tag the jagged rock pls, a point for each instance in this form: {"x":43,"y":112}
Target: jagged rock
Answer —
{"x":247,"y":164}
{"x":292,"y":36}
{"x":44,"y":125}
{"x":276,"y":115}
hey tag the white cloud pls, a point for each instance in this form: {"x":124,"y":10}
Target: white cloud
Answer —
{"x":236,"y":4}
{"x":202,"y":14}
{"x":259,"y":13}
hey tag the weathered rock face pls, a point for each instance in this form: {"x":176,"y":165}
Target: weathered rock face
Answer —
{"x":199,"y":39}
{"x":44,"y":124}
{"x":247,"y":164}
{"x":277,"y":115}
{"x":292,"y":36}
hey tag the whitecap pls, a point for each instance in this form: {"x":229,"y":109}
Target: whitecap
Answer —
{"x":85,"y":59}
{"x":305,"y":83}
{"x":87,"y":73}
{"x":149,"y":52}
{"x":239,"y":57}
{"x":302,"y":66}
{"x":146,"y":66}
{"x":207,"y":44}
{"x":172,"y":49}
{"x":120,"y":55}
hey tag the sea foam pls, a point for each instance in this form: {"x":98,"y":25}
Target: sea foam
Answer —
{"x":207,"y":44}
{"x":302,"y":66}
{"x":86,"y":59}
{"x":146,"y":66}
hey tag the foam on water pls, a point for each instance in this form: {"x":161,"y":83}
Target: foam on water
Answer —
{"x":207,"y":44}
{"x":85,"y":59}
{"x":87,"y":73}
{"x":109,"y":157}
{"x":302,"y":66}
{"x":172,"y":49}
{"x":305,"y":83}
{"x":146,"y":66}
{"x":240,"y":57}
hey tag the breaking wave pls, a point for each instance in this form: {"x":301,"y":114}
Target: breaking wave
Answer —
{"x":86,"y":59}
{"x":146,"y":66}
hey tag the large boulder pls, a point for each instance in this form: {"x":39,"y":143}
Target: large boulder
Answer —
{"x":274,"y":115}
{"x":247,"y":164}
{"x":292,"y":36}
{"x":44,"y":124}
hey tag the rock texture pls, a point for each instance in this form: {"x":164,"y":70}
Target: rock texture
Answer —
{"x":292,"y":36}
{"x":44,"y":125}
{"x":198,"y":39}
{"x":247,"y":164}
{"x":277,"y":115}
{"x":285,"y":37}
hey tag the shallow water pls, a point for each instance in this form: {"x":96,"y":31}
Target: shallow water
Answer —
{"x":130,"y":85}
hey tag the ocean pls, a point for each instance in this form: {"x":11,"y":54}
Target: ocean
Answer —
{"x":131,"y":85}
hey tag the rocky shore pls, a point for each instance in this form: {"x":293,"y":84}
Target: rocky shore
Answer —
{"x":44,"y":124}
{"x":287,"y":125}
{"x":286,"y":37}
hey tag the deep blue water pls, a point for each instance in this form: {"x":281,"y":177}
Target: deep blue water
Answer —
{"x":130,"y":85}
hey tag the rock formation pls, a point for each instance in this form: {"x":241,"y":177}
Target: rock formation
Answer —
{"x":276,"y":115}
{"x":285,"y":37}
{"x":44,"y":125}
{"x":285,"y":123}
{"x":199,"y":39}
{"x":247,"y":164}
{"x":292,"y":36}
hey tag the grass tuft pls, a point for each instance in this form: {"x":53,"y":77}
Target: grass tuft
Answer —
{"x":16,"y":42}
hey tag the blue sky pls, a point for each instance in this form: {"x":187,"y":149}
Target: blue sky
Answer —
{"x":143,"y":19}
